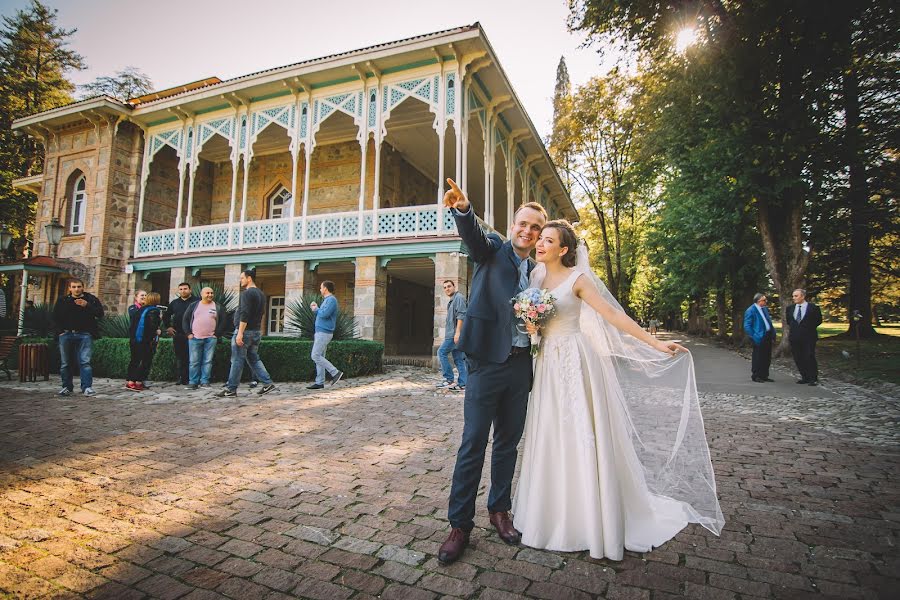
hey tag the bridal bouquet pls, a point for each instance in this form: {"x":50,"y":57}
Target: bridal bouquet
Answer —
{"x":533,"y":306}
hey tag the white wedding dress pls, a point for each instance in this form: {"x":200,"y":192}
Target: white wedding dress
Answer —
{"x":582,"y":484}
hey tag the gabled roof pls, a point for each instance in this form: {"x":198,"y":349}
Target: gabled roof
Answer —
{"x":340,"y":55}
{"x":212,"y":94}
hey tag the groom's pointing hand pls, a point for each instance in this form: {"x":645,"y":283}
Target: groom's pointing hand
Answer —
{"x":454,"y":198}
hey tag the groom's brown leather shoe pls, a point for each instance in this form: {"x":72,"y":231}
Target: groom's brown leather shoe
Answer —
{"x":502,"y":522}
{"x":453,"y":546}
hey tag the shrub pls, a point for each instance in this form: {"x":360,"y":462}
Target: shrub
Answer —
{"x":115,"y":326}
{"x":225,"y":297}
{"x":300,"y":320}
{"x":285,"y":359}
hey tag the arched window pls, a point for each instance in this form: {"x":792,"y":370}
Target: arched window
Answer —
{"x":79,"y":197}
{"x":280,"y":205}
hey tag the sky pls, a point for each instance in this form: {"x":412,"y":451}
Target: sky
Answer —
{"x":180,"y":41}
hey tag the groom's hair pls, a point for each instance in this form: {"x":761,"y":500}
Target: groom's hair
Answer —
{"x":567,"y":239}
{"x":757,"y":297}
{"x":532,"y":206}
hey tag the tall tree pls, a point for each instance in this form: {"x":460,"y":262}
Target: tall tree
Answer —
{"x":868,"y":35}
{"x":34,"y":62}
{"x":598,"y":137}
{"x":776,"y":65}
{"x":562,"y":109}
{"x":126,"y":84}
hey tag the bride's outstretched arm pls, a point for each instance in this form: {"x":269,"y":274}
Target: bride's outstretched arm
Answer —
{"x":618,"y":319}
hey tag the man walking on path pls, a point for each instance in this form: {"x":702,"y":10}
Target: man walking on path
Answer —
{"x":202,"y":324}
{"x":175,"y":316}
{"x":758,"y":325}
{"x":326,"y":321}
{"x":803,"y":319}
{"x":499,"y":361}
{"x":76,"y":316}
{"x":456,"y":312}
{"x":245,"y":342}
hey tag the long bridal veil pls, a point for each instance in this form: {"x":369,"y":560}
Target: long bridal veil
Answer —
{"x":658,"y":395}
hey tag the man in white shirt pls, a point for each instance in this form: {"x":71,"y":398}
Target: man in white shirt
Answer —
{"x":802,"y":320}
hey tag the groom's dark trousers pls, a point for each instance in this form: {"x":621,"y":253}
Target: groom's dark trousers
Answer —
{"x":495,"y":394}
{"x":499,"y":376}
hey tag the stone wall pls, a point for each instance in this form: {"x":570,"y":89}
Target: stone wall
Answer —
{"x":401,"y":183}
{"x":110,"y":160}
{"x":161,"y":195}
{"x":119,"y":217}
{"x":203,"y":194}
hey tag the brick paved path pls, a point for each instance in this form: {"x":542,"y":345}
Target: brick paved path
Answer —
{"x":342,"y":494}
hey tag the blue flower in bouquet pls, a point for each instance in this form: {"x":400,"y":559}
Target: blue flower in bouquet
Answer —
{"x":533,"y":306}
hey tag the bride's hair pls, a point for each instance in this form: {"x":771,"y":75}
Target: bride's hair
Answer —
{"x":567,"y":239}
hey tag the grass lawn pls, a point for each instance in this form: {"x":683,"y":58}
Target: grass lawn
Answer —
{"x":879,"y":357}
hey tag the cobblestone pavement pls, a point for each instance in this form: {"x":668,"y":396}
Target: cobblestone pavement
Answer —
{"x":341,"y":493}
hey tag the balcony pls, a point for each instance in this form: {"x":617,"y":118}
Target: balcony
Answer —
{"x":389,"y":224}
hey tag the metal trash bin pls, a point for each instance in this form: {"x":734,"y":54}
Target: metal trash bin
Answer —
{"x":34,"y":361}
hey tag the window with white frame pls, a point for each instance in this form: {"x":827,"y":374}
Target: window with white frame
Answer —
{"x":280,"y":204}
{"x":79,"y":198}
{"x":276,"y":315}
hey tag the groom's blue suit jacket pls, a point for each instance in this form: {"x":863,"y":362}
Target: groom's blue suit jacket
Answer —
{"x":487,"y":329}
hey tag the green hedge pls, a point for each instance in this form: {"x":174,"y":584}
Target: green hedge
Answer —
{"x":285,"y":359}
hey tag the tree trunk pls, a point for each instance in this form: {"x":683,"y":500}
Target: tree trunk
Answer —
{"x":698,"y":324}
{"x":860,"y":292}
{"x":780,"y":216}
{"x":741,"y":298}
{"x":721,"y":314}
{"x":612,"y":284}
{"x":693,"y":320}
{"x":785,"y":257}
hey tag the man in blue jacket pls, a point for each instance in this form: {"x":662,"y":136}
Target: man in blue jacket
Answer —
{"x":758,"y":325}
{"x":326,"y":320}
{"x":499,"y":361}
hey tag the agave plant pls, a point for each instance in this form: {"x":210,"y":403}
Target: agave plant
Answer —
{"x":115,"y":326}
{"x":300,"y":320}
{"x":221,"y":294}
{"x":39,"y":320}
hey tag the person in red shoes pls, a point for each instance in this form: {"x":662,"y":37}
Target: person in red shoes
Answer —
{"x":143,"y":335}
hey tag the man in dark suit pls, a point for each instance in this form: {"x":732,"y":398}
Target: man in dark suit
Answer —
{"x":758,"y":326}
{"x":803,"y":319}
{"x":499,"y":360}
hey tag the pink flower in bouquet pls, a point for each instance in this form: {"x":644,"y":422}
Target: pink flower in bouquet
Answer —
{"x":533,"y":306}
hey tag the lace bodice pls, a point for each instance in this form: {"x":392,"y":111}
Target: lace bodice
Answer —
{"x":566,"y":320}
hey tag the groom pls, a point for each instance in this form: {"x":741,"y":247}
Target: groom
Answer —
{"x":499,"y":362}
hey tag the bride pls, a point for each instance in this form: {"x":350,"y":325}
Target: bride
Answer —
{"x":615,"y":450}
